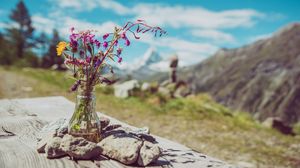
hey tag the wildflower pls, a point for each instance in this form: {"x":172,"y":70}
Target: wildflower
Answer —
{"x":105,"y":36}
{"x":127,"y":42}
{"x":81,"y":53}
{"x":75,"y":85}
{"x":105,"y":44}
{"x":123,"y":36}
{"x":119,"y":51}
{"x":120,"y":59}
{"x":61,"y":47}
{"x":97,"y":43}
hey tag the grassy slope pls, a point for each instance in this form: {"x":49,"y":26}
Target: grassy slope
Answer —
{"x":197,"y":122}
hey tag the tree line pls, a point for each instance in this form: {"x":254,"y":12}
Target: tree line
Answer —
{"x":19,"y":40}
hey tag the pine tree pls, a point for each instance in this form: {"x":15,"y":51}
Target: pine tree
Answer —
{"x":42,"y":42}
{"x":6,"y":54}
{"x":51,"y":57}
{"x":22,"y":35}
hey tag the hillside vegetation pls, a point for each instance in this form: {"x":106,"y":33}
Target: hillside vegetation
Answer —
{"x":262,"y":78}
{"x":196,"y":121}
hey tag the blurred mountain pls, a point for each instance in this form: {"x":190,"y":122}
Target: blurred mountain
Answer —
{"x":262,"y":78}
{"x":150,"y":63}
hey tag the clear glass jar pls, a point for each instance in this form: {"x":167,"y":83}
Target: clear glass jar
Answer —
{"x":85,"y":122}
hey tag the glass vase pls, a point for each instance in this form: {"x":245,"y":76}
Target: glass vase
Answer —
{"x":85,"y":122}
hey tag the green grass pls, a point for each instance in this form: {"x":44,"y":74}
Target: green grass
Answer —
{"x":197,"y":121}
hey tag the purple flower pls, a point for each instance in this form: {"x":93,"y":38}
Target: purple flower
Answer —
{"x":75,"y":86}
{"x":123,"y":36}
{"x":120,"y":59}
{"x":97,"y":43}
{"x":116,"y":43}
{"x":73,"y":43}
{"x":105,"y":36}
{"x":73,"y":36}
{"x":90,"y":38}
{"x":88,"y":59}
{"x":127,"y":42}
{"x":119,"y":51}
{"x":105,"y":44}
{"x":81,"y":53}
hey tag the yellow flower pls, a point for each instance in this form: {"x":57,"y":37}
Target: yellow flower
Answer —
{"x":61,"y":46}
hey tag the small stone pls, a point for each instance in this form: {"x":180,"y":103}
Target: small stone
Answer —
{"x":63,"y":129}
{"x":149,"y":153}
{"x":79,"y":148}
{"x":52,"y":148}
{"x":145,"y":86}
{"x":122,"y":147}
{"x":57,"y":128}
{"x":43,"y":142}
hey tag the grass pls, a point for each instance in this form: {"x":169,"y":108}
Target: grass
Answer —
{"x":197,"y":121}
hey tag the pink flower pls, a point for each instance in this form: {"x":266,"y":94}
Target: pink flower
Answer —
{"x":119,"y":51}
{"x":120,"y":59}
{"x":127,"y":42}
{"x":105,"y":44}
{"x":123,"y":36}
{"x":97,"y":43}
{"x":105,"y":36}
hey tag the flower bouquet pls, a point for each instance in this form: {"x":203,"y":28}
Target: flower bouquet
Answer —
{"x":89,"y":58}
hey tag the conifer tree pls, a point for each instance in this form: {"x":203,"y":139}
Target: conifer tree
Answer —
{"x":21,"y":35}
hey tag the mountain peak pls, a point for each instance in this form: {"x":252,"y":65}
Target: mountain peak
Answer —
{"x":289,"y":29}
{"x":151,"y":56}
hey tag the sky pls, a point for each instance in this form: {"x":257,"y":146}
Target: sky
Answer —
{"x":196,"y":28}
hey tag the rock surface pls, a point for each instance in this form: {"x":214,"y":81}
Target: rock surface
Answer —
{"x":149,"y":153}
{"x":261,"y":78}
{"x":43,"y":142}
{"x":122,"y":147}
{"x":278,"y":124}
{"x":53,"y":149}
{"x":126,"y":89}
{"x":56,"y":128}
{"x":79,"y":148}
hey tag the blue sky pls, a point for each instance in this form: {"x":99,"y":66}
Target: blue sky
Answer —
{"x":196,"y":29}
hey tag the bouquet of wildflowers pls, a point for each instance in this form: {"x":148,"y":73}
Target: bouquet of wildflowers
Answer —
{"x":88,"y":58}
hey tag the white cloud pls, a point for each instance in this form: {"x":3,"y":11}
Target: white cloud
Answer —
{"x":215,"y":35}
{"x":64,"y":23}
{"x":196,"y":17}
{"x":43,"y":24}
{"x":69,"y":22}
{"x":79,"y":5}
{"x":115,"y":6}
{"x":82,"y":5}
{"x":173,"y":16}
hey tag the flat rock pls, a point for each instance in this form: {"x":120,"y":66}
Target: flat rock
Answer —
{"x":43,"y":142}
{"x":57,"y":128}
{"x":52,"y":148}
{"x":125,"y":89}
{"x":79,"y":148}
{"x":149,"y":153}
{"x":122,"y":147}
